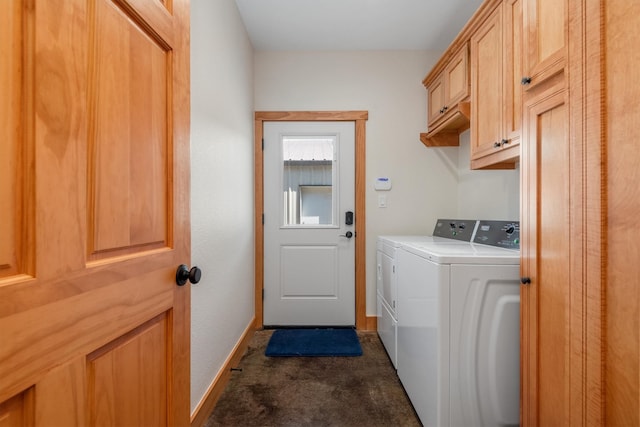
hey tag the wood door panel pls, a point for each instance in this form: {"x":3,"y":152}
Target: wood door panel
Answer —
{"x":487,"y":79}
{"x":128,"y":169}
{"x":67,"y":409}
{"x":513,"y":71}
{"x":545,"y":39}
{"x":436,"y":100}
{"x":98,"y":317}
{"x":18,"y":410}
{"x":552,"y":28}
{"x":16,"y":175}
{"x":456,"y":77}
{"x":133,"y":365}
{"x":546,"y":260}
{"x":553,"y":264}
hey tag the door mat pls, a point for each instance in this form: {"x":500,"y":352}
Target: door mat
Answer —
{"x":314,"y":342}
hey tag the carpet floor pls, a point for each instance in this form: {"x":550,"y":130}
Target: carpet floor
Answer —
{"x":314,"y":391}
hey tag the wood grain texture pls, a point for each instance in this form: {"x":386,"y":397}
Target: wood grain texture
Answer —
{"x":545,"y":316}
{"x":62,"y":307}
{"x":66,"y":408}
{"x":128,"y":176}
{"x":11,"y":69}
{"x":134,"y":365}
{"x":18,"y":411}
{"x":487,"y":84}
{"x":258,"y":224}
{"x":361,"y":225}
{"x":588,"y":247}
{"x":435,"y":100}
{"x":446,"y":92}
{"x":441,"y":139}
{"x":621,"y":23}
{"x":545,"y":39}
{"x":17,"y":193}
{"x":496,"y":116}
{"x":359,"y":117}
{"x":309,"y":116}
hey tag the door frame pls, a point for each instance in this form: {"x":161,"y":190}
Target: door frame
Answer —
{"x":360,"y":118}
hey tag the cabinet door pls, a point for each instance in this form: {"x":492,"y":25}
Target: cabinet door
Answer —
{"x":436,"y":100}
{"x":545,"y":38}
{"x":496,"y":108}
{"x":545,"y":302}
{"x":456,"y":77}
{"x":486,"y":87}
{"x":512,"y":72}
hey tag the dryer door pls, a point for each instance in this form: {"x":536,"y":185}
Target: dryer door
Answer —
{"x":485,"y":345}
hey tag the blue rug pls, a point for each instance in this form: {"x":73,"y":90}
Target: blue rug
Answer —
{"x":314,"y":342}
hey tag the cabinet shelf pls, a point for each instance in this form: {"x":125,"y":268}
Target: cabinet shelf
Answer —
{"x":447,"y":132}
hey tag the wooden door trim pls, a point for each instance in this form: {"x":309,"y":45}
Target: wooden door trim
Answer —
{"x":360,"y":118}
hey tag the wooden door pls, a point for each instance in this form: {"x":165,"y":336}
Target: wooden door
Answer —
{"x":545,"y":38}
{"x":512,"y":54}
{"x":436,"y":101}
{"x":94,"y":202}
{"x":546,"y":219}
{"x":456,"y":78}
{"x":487,"y":87}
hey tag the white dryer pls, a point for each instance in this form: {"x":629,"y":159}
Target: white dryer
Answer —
{"x":458,"y":328}
{"x":446,"y":230}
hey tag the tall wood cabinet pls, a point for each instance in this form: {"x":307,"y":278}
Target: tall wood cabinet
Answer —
{"x":562,"y":219}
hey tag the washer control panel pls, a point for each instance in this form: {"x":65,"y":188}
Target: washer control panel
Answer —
{"x":503,"y":234}
{"x":457,"y":229}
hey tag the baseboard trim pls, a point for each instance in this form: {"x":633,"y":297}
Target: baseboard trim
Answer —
{"x":372,"y":323}
{"x":209,"y":400}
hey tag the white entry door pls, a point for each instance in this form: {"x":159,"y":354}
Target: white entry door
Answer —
{"x":309,"y":224}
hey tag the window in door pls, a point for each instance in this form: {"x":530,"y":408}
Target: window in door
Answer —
{"x":309,"y":196}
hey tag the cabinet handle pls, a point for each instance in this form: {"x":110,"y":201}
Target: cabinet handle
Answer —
{"x":504,"y":142}
{"x":525,"y":280}
{"x":445,"y":108}
{"x":496,"y":145}
{"x":525,"y":81}
{"x":441,"y":110}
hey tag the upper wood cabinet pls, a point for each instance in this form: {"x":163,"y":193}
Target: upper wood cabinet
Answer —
{"x":544,"y":40}
{"x":447,"y":106}
{"x":449,"y":87}
{"x":496,"y":94}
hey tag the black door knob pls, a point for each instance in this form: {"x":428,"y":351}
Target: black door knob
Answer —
{"x":348,"y":235}
{"x":183,"y":274}
{"x":525,"y":81}
{"x":525,"y":280}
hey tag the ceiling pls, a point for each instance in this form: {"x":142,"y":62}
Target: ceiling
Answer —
{"x":354,"y":24}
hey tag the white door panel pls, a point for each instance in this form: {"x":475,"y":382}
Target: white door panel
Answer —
{"x":309,"y":184}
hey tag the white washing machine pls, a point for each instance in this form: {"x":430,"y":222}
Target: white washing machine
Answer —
{"x":449,"y":230}
{"x":458,"y":328}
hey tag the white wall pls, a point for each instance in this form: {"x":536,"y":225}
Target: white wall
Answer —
{"x":388,"y":84}
{"x":486,"y":194}
{"x":222,"y":209}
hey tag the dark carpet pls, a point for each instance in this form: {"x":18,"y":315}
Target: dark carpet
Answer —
{"x":314,"y":342}
{"x":314,"y":391}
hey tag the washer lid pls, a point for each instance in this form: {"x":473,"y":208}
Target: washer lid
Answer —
{"x":470,"y":253}
{"x":397,"y":241}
